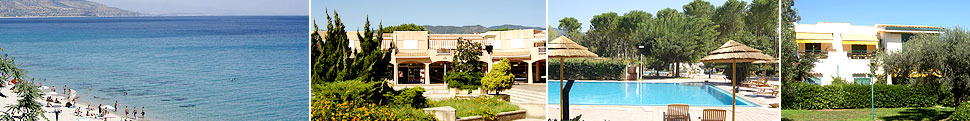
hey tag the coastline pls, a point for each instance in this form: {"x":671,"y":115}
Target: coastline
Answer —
{"x":67,"y":113}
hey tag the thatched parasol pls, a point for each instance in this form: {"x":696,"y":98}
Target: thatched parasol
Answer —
{"x":563,"y":48}
{"x":734,"y":52}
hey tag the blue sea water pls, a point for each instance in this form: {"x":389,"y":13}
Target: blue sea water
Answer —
{"x":640,"y":93}
{"x":178,"y":68}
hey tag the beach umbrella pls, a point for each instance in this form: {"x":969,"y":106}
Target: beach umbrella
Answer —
{"x":108,"y":107}
{"x":734,"y":52}
{"x":72,"y":95}
{"x":563,"y":48}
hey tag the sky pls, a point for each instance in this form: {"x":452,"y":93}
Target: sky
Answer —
{"x":432,"y":12}
{"x":212,"y":7}
{"x":942,"y":13}
{"x":584,"y":10}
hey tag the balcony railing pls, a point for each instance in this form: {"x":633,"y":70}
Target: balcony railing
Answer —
{"x":821,"y":54}
{"x":862,"y":54}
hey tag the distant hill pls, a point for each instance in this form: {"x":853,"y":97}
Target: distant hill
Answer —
{"x":42,"y":8}
{"x":472,"y":29}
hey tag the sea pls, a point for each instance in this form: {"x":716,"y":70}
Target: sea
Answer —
{"x":180,"y":68}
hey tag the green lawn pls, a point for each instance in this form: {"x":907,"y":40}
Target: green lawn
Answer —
{"x":886,"y":114}
{"x":486,"y":107}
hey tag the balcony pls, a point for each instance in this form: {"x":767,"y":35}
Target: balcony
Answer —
{"x":862,"y":54}
{"x":821,"y":54}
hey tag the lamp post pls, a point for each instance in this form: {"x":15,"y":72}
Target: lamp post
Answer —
{"x":640,"y":65}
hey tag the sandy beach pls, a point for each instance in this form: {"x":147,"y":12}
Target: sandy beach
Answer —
{"x":67,"y":114}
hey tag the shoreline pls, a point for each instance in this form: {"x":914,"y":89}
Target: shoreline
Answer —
{"x":67,"y":113}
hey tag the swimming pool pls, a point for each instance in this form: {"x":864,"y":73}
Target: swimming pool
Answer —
{"x":644,"y":93}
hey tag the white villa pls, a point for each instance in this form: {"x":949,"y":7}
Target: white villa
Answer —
{"x":846,"y":50}
{"x":424,"y":58}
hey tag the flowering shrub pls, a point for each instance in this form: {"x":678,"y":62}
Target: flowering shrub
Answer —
{"x":367,"y":101}
{"x":328,"y":110}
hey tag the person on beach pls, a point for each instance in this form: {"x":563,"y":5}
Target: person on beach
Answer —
{"x":116,"y":105}
{"x":142,"y":111}
{"x":126,"y":111}
{"x":65,"y":89}
{"x":135,"y":113}
{"x":53,"y":89}
{"x":99,"y":109}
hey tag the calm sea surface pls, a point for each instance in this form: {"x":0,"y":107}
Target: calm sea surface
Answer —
{"x":179,"y":68}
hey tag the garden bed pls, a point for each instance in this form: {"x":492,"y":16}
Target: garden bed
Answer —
{"x":487,"y":108}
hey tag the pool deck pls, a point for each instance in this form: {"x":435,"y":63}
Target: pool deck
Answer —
{"x":655,"y":113}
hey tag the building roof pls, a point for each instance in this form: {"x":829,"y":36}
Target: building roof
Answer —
{"x":909,"y":27}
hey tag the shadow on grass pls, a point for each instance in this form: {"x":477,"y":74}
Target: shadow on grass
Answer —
{"x":918,"y":114}
{"x":786,"y":119}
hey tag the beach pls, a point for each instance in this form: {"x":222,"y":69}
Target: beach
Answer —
{"x":67,"y":113}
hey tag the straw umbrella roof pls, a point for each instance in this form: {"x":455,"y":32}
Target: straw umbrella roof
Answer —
{"x":565,"y":48}
{"x":773,"y":61}
{"x":562,"y":47}
{"x":735,"y":52}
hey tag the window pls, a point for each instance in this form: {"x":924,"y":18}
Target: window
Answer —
{"x":813,"y":47}
{"x":517,"y":43}
{"x":906,"y":37}
{"x":814,"y":80}
{"x":862,"y":81}
{"x":410,"y":44}
{"x":859,"y":48}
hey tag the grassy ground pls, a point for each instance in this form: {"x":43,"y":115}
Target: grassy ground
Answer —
{"x":476,"y":106}
{"x":886,"y":114}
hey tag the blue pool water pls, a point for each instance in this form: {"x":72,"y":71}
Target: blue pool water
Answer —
{"x":634,"y":93}
{"x":179,"y":68}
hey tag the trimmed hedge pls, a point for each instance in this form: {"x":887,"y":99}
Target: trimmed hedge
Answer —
{"x":464,"y":80}
{"x":800,"y":95}
{"x":588,"y":69}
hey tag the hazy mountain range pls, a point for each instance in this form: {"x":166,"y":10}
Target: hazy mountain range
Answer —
{"x":46,"y":8}
{"x":472,"y":29}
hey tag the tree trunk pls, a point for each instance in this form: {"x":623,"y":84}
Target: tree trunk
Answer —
{"x":959,"y":96}
{"x":676,"y":69}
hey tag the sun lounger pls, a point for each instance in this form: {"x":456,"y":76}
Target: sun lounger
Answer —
{"x":714,"y":115}
{"x":760,"y":82}
{"x":677,"y":112}
{"x":771,"y":90}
